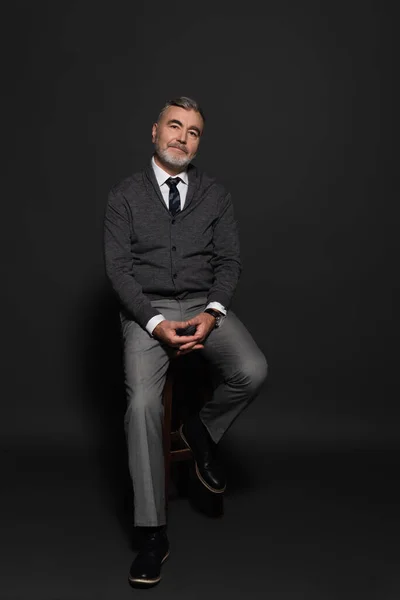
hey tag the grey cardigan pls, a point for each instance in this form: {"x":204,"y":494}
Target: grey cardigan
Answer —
{"x":149,"y":254}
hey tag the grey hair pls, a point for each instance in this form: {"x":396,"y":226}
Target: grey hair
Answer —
{"x":182,"y":102}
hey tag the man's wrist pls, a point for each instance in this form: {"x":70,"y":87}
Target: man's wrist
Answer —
{"x":154,"y":321}
{"x":214,"y":313}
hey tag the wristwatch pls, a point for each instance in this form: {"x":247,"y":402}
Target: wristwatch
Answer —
{"x":218,"y":316}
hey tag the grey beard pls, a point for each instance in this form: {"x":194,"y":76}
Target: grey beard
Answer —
{"x":172,"y":161}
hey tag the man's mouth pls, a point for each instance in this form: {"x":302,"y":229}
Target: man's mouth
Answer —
{"x":180,"y":149}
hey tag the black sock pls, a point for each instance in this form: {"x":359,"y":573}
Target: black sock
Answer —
{"x":149,"y":529}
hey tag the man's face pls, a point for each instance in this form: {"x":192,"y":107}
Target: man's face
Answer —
{"x":176,"y":137}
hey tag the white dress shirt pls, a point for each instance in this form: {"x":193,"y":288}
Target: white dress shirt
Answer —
{"x":182,"y":186}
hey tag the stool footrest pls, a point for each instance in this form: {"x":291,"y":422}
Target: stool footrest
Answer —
{"x":182,"y":454}
{"x":179,"y":453}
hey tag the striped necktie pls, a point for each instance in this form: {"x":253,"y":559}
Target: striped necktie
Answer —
{"x":174,"y":197}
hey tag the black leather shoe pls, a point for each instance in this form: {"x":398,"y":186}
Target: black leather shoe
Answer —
{"x":146,"y":568}
{"x":197,"y":438}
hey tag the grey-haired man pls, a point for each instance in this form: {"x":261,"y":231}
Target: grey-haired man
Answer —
{"x":172,"y":256}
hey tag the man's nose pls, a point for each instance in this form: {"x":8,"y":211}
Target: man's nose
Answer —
{"x":182,"y":137}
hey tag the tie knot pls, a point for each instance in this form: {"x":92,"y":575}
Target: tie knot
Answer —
{"x":172,"y":182}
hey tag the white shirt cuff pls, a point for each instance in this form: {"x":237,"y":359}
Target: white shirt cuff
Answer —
{"x":154,"y":321}
{"x":217,"y":306}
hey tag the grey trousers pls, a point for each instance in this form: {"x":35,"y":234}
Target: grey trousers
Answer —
{"x":230,"y":348}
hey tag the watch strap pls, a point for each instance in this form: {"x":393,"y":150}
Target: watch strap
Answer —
{"x":215,"y":314}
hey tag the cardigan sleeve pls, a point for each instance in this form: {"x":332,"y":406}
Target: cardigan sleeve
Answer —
{"x":226,"y":261}
{"x":118,"y":260}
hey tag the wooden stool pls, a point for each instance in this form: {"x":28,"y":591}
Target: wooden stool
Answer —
{"x":187,"y":368}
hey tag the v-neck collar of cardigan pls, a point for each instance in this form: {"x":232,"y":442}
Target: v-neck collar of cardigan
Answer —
{"x":193,"y":179}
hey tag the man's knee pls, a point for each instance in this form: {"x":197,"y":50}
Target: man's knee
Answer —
{"x":142,"y":406}
{"x":254,"y":372}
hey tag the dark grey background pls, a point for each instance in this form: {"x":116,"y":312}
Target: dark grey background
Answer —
{"x":299,"y":105}
{"x":296,"y":103}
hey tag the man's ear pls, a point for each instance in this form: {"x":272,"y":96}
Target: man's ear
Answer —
{"x":154,"y":132}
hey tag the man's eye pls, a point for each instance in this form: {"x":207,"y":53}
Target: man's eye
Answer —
{"x":193,"y":134}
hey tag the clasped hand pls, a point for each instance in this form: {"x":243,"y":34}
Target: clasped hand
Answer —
{"x":166,"y":332}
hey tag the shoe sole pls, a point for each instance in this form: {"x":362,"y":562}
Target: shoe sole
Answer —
{"x":213,"y":490}
{"x":148,"y":582}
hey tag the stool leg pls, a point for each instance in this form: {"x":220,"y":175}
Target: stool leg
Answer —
{"x":167,"y":402}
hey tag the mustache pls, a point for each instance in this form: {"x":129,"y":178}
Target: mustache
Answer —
{"x":179,"y":147}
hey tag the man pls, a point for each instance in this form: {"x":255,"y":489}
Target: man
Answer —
{"x":172,"y":256}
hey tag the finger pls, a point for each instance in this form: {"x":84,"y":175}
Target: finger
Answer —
{"x":191,"y":344}
{"x":185,"y":339}
{"x":191,"y":347}
{"x":180,"y":353}
{"x":186,"y":346}
{"x":183,"y":352}
{"x":183,"y":324}
{"x":180,"y":324}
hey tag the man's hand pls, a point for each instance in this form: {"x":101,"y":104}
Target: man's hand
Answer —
{"x":166,"y":332}
{"x":204,"y":323}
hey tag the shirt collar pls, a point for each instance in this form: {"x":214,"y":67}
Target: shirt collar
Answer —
{"x":162,"y":175}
